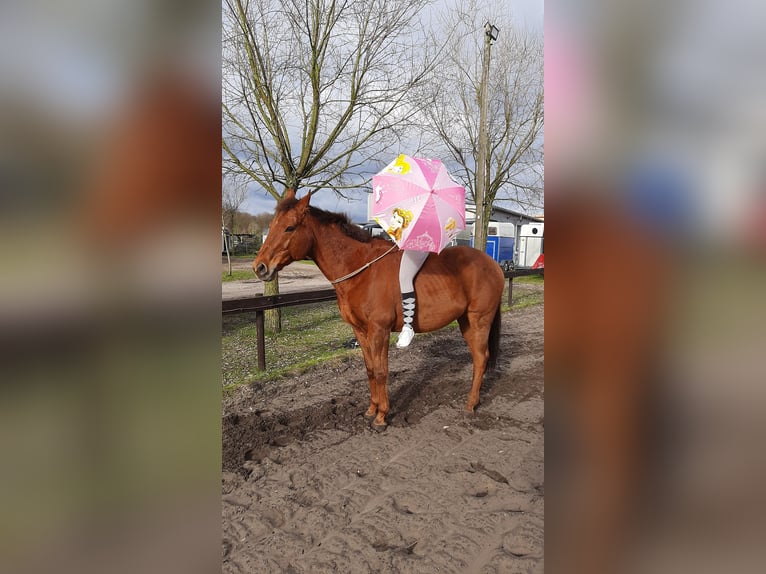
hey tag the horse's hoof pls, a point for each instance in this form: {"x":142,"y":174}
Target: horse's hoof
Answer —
{"x":379,"y":427}
{"x":469,"y":410}
{"x":368,"y":417}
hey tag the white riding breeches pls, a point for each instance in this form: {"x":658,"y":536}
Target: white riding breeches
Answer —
{"x":411,"y":263}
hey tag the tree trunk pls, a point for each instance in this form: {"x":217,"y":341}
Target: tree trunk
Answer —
{"x":273,"y":317}
{"x":485,"y":220}
{"x":226,"y":244}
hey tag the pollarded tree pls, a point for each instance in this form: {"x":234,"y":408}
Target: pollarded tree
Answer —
{"x":514,"y":109}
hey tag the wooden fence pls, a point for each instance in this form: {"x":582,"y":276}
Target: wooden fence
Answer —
{"x":262,"y":303}
{"x":519,"y":273}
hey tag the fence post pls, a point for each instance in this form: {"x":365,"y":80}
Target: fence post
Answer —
{"x":260,"y":303}
{"x":261,"y":340}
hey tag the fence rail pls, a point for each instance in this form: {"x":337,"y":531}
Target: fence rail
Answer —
{"x":519,"y":273}
{"x":262,"y":303}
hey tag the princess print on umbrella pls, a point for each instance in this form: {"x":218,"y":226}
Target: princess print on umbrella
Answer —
{"x":399,"y":166}
{"x":400,"y":220}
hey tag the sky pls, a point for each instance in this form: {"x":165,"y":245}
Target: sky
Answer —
{"x":89,"y":62}
{"x":529,"y":15}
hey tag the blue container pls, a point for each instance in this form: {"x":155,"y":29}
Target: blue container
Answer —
{"x":499,"y":248}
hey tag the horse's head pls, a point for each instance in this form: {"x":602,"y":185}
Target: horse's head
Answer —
{"x":288,"y":239}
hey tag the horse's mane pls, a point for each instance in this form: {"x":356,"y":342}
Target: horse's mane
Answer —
{"x":343,"y":223}
{"x":330,"y":218}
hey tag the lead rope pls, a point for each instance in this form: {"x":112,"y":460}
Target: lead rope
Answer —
{"x":363,"y":267}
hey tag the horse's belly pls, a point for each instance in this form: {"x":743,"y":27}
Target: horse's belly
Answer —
{"x":435,"y":313}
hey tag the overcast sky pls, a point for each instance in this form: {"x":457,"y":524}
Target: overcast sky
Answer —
{"x":527,"y":13}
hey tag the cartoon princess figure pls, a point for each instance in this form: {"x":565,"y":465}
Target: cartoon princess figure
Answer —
{"x":400,"y":220}
{"x":400,"y":166}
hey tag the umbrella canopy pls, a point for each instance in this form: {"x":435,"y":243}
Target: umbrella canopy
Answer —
{"x":417,"y":203}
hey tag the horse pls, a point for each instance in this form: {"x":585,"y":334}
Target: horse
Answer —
{"x":459,"y":283}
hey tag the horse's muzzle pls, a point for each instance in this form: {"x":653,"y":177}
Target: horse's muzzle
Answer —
{"x":262,"y":272}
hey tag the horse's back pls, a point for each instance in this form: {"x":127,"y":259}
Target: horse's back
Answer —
{"x":456,"y":280}
{"x":472,"y":264}
{"x":478,"y":276}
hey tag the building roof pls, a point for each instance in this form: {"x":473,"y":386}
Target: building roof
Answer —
{"x":504,"y":214}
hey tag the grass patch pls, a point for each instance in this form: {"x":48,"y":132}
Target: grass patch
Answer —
{"x":311,"y":335}
{"x":520,"y":301}
{"x":237,"y":275}
{"x":530,"y":279}
{"x":523,"y":297}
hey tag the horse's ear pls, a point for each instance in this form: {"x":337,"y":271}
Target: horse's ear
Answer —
{"x":303,"y":203}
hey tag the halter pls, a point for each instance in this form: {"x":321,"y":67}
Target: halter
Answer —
{"x":363,"y":267}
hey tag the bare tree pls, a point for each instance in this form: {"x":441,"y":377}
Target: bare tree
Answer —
{"x":233,"y":195}
{"x":514,"y":109}
{"x":253,"y":224}
{"x":313,"y":89}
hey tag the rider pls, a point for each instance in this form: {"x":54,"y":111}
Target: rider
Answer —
{"x":408,"y":268}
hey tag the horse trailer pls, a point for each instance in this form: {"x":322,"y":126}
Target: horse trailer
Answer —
{"x":531,"y":244}
{"x":501,"y":240}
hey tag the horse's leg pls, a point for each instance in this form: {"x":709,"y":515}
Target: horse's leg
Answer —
{"x":379,"y":339}
{"x":361,"y":336}
{"x":475,"y":329}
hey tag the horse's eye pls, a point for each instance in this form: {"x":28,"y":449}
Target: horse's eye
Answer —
{"x":290,"y":228}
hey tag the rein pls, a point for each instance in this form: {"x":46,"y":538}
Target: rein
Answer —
{"x":363,"y":267}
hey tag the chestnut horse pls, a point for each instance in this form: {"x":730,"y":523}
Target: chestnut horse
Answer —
{"x":460,"y":283}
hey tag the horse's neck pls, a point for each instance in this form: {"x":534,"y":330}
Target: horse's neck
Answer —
{"x":335,"y":253}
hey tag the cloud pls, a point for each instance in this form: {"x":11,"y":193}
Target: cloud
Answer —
{"x":356,"y":207}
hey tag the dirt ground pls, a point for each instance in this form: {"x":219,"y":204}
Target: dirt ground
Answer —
{"x":297,"y":276}
{"x":309,"y":487}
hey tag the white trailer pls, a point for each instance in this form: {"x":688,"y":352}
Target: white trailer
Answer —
{"x":530,"y":244}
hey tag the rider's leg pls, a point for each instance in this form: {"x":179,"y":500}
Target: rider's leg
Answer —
{"x":408,"y":268}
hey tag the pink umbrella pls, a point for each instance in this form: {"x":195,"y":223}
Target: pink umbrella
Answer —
{"x":417,"y":203}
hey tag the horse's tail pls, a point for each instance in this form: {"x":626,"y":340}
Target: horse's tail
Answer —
{"x":494,"y":341}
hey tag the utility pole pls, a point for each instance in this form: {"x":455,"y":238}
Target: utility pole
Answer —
{"x":482,"y":163}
